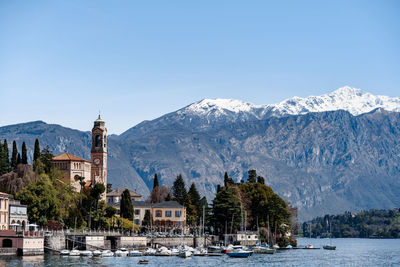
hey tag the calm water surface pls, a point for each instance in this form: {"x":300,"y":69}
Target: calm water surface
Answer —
{"x":349,"y":252}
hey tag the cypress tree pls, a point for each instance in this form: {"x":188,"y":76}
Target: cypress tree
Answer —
{"x":36,"y":151}
{"x":5,"y":161}
{"x":179,"y":190}
{"x":1,"y":159}
{"x":18,"y":159}
{"x":126,"y":206}
{"x":226,"y":177}
{"x":24,"y":158}
{"x":252,"y":176}
{"x":14,"y":156}
{"x":155,"y":183}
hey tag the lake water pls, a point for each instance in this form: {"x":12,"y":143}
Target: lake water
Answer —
{"x":349,"y":252}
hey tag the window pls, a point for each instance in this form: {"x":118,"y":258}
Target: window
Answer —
{"x":137,"y":222}
{"x":137,"y":212}
{"x":158,"y":213}
{"x":178,"y":213}
{"x":168,"y":213}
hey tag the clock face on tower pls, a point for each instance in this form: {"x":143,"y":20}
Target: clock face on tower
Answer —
{"x":97,"y":161}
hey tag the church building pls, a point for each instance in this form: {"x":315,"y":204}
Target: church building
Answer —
{"x":94,"y":171}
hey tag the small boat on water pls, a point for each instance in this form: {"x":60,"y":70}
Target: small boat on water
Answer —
{"x":143,"y":262}
{"x":263,"y":250}
{"x":185,"y":253}
{"x":329,"y":247}
{"x":96,"y":253}
{"x":74,"y":252}
{"x":135,"y":253}
{"x":309,"y":246}
{"x":212,"y":249}
{"x":86,"y":253}
{"x":174,"y":252}
{"x":64,"y":252}
{"x":200,"y":252}
{"x":150,"y":252}
{"x":163,"y":251}
{"x":107,"y":253}
{"x":276,"y":246}
{"x":122,"y":252}
{"x":240,"y":253}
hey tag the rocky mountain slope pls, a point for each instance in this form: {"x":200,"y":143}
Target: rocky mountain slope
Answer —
{"x":326,"y":154}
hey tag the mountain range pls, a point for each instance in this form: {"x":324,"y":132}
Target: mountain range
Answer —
{"x":325,"y":154}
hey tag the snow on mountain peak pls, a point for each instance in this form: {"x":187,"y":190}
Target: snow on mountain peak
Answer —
{"x":220,"y":105}
{"x":353,"y":100}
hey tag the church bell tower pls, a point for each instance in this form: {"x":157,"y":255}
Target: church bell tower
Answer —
{"x":99,"y":153}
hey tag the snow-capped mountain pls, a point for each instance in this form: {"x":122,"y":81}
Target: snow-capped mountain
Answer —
{"x":353,"y":100}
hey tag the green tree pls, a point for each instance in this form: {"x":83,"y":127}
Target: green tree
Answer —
{"x":147,"y":219}
{"x":4,"y":160}
{"x":36,"y":151}
{"x":109,"y":188}
{"x":46,"y":157}
{"x":226,"y":208}
{"x":179,"y":190}
{"x":252,"y":176}
{"x":110,"y":211}
{"x":24,"y":158}
{"x":126,"y":206}
{"x":227,"y":180}
{"x":260,"y":180}
{"x":207,"y":212}
{"x":193,"y":200}
{"x":96,"y":191}
{"x":19,"y":161}
{"x":155,"y":182}
{"x":14,"y":156}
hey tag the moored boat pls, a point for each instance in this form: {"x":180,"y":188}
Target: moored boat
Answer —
{"x":107,"y":253}
{"x":122,"y":252}
{"x":74,"y":252}
{"x":240,"y":253}
{"x":86,"y":253}
{"x":263,"y":250}
{"x":64,"y":252}
{"x":96,"y":253}
{"x":329,"y":247}
{"x":135,"y":253}
{"x":185,"y":254}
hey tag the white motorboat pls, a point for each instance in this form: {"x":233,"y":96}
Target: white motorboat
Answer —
{"x":122,"y":252}
{"x":107,"y":253}
{"x":86,"y":253}
{"x":175,"y":252}
{"x":74,"y":252}
{"x":276,"y":246}
{"x":163,"y":251}
{"x":64,"y":252}
{"x":96,"y":253}
{"x":200,"y":252}
{"x":185,"y":253}
{"x":135,"y":253}
{"x":309,"y":246}
{"x":150,"y":252}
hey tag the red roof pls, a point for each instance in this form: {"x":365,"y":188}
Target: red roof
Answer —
{"x":68,"y":157}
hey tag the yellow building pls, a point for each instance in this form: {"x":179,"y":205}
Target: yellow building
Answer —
{"x":4,"y":211}
{"x":167,"y":215}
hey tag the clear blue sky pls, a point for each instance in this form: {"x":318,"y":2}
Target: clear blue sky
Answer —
{"x":63,"y":61}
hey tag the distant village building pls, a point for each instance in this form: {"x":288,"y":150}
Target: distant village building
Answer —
{"x":94,"y":171}
{"x":4,"y":211}
{"x":167,"y":214}
{"x":18,"y":215}
{"x":242,"y":238}
{"x":114,"y":197}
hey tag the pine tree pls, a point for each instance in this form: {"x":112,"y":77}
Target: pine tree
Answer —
{"x":24,"y":158}
{"x":252,"y":176}
{"x":36,"y":151}
{"x":14,"y":156}
{"x":18,"y":159}
{"x":126,"y":206}
{"x":5,"y":160}
{"x":1,"y":159}
{"x":260,"y":180}
{"x":226,"y":177}
{"x":194,"y":197}
{"x":155,"y":183}
{"x":179,"y":190}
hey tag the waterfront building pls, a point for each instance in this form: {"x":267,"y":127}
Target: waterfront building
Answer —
{"x":18,"y":215}
{"x":114,"y":197}
{"x":167,"y":215}
{"x":4,"y":210}
{"x":94,"y":171}
{"x":242,"y":238}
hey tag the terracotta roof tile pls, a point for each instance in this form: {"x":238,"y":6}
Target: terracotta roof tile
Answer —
{"x":68,"y":157}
